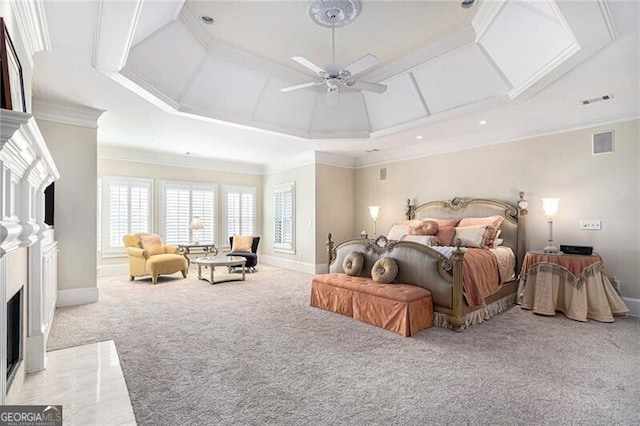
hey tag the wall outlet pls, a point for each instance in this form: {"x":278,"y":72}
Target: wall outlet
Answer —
{"x":591,"y":225}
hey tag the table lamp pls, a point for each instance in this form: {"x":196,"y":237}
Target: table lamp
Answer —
{"x":196,"y":225}
{"x":550,"y":207}
{"x":373,"y":212}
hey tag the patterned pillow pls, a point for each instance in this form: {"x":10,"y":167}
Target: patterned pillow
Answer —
{"x":384,"y":270}
{"x":471,"y":236}
{"x":152,"y":243}
{"x":353,"y":263}
{"x":397,"y":232}
{"x":446,"y":230}
{"x":426,"y":227}
{"x":493,"y":222}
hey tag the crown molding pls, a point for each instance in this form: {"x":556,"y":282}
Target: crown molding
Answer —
{"x":608,"y":20}
{"x":116,"y":23}
{"x":335,"y":160}
{"x":461,"y":37}
{"x":486,"y":14}
{"x":293,"y":162}
{"x":77,"y":115}
{"x":32,"y":24}
{"x":113,"y":152}
{"x":579,"y":120}
{"x":192,"y":25}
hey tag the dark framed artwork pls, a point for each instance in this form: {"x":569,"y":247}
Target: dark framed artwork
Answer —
{"x":11,"y":80}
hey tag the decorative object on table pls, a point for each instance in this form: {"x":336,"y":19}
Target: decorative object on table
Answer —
{"x":581,"y":250}
{"x":373,"y":212}
{"x":550,"y":207}
{"x":332,"y":14}
{"x":196,"y":226}
{"x":197,"y":249}
{"x":11,"y":81}
{"x":247,"y":247}
{"x":522,"y":204}
{"x":149,"y":256}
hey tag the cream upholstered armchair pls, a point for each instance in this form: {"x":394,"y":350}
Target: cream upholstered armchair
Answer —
{"x":149,"y":256}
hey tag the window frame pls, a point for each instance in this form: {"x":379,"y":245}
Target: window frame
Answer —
{"x":104,"y":200}
{"x":191,"y":185}
{"x":282,"y":246}
{"x":242,"y":190}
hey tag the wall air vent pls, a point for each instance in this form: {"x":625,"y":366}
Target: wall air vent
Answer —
{"x":598,"y":99}
{"x":383,"y":173}
{"x":602,"y":143}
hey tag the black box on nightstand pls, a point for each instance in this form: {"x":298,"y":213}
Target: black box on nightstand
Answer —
{"x":583,"y":250}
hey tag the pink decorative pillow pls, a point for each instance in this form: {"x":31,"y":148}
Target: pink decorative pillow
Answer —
{"x":152,"y":243}
{"x":493,"y":222}
{"x":446,"y":230}
{"x":426,"y":227}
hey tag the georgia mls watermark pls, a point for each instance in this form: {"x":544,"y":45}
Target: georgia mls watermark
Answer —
{"x":30,"y":415}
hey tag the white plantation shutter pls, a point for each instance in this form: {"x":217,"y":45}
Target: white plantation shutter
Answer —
{"x":127,"y":210}
{"x":184,"y":201}
{"x":284,"y":217}
{"x":240,"y":210}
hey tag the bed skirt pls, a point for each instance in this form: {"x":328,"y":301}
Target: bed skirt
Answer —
{"x":479,"y":315}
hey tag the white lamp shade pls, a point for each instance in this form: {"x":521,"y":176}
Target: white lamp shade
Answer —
{"x":196,"y":223}
{"x":550,"y":206}
{"x":373,"y":211}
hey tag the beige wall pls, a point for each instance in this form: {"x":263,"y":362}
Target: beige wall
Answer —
{"x":159,"y":172}
{"x":74,"y":150}
{"x":305,"y":250}
{"x":335,"y":189}
{"x":601,"y":187}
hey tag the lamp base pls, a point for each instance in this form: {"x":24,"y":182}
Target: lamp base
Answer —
{"x":550,"y":248}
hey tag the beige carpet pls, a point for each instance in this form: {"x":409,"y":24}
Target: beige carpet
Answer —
{"x":255,"y":353}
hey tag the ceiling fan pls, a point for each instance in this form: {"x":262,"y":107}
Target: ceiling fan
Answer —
{"x":332,"y":14}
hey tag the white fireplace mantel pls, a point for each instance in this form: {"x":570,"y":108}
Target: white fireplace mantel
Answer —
{"x":27,"y":168}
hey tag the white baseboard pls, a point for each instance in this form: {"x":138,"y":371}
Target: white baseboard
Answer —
{"x":77,"y":296}
{"x":116,"y":269}
{"x":308,"y":268}
{"x":633,"y":305}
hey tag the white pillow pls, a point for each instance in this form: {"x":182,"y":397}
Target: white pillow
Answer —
{"x":470,"y":236}
{"x":427,"y":240}
{"x":396,"y":232}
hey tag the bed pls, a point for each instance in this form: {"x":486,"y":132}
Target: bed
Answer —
{"x":448,"y":271}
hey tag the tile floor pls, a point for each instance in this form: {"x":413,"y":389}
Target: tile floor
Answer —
{"x":87,"y":381}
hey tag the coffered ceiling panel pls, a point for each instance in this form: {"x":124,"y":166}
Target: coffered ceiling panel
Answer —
{"x":277,"y":110}
{"x":347,"y":117}
{"x":383,"y":108}
{"x":155,"y":15}
{"x":216,"y":88}
{"x":461,"y":77}
{"x":167,"y":59}
{"x":535,"y":40}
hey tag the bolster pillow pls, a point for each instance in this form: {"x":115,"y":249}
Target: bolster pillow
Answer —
{"x":384,"y":270}
{"x":353,"y":263}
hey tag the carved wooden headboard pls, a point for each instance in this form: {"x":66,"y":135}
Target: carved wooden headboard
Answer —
{"x":512,"y":227}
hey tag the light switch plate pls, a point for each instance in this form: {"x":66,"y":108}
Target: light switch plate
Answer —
{"x":591,"y":225}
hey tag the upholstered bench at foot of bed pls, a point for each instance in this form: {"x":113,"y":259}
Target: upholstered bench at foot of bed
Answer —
{"x":405,"y":309}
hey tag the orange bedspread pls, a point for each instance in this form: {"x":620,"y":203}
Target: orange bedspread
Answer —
{"x":480,"y":275}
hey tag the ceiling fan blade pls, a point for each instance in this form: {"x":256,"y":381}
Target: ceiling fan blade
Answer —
{"x":367,"y":85}
{"x":307,"y":63}
{"x":301,"y":86}
{"x":333,"y":96}
{"x":361,"y":64}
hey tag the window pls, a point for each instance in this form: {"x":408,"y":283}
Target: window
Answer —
{"x":284,"y":217}
{"x":126,"y":209}
{"x":241,"y":211}
{"x":182,"y":201}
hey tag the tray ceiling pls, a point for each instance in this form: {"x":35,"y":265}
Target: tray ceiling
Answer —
{"x":234,"y":69}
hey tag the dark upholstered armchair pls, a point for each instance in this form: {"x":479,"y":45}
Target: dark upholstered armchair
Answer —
{"x":252,"y":256}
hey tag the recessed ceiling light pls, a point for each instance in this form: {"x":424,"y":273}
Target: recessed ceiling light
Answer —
{"x":419,"y":137}
{"x":207,"y":19}
{"x":482,"y":122}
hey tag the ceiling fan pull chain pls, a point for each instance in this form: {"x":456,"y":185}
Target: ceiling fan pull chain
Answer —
{"x":333,"y":43}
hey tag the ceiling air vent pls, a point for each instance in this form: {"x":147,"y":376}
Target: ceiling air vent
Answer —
{"x":602,"y":143}
{"x":598,"y":99}
{"x":383,"y":173}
